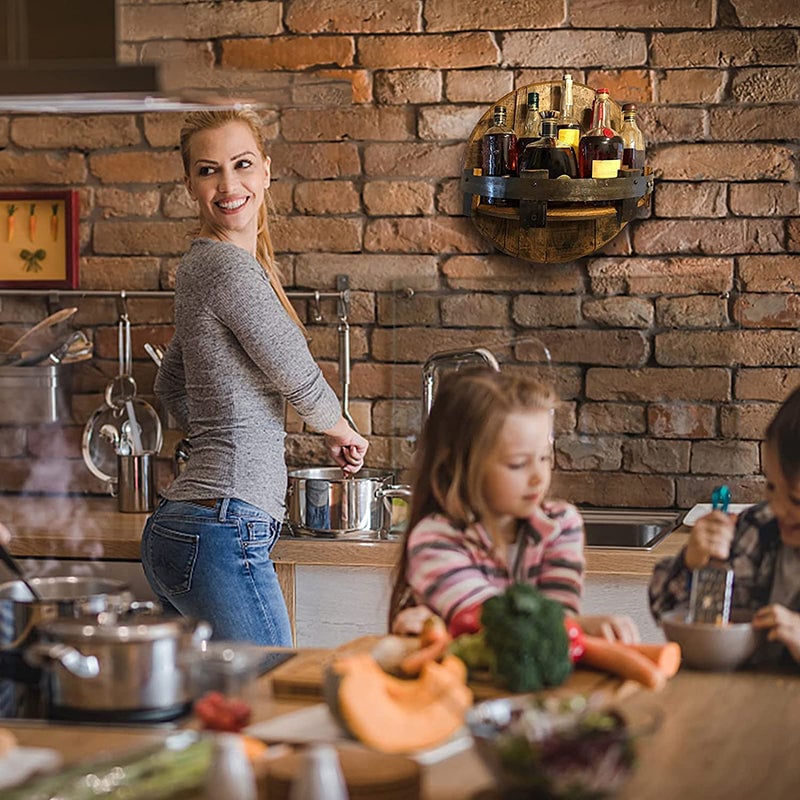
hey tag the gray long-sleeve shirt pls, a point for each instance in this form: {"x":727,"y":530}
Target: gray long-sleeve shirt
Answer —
{"x":235,"y":359}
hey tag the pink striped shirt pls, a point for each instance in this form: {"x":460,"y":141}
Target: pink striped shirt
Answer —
{"x":450,"y":569}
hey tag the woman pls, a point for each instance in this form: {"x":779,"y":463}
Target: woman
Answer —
{"x":238,"y":354}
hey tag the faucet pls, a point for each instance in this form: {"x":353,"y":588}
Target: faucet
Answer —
{"x":453,"y":359}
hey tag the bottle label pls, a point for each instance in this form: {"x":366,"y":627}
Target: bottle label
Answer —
{"x":570,"y":136}
{"x":606,"y":168}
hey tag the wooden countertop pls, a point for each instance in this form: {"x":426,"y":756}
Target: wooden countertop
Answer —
{"x":93,"y":528}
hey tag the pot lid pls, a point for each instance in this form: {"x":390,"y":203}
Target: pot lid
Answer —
{"x":108,"y":627}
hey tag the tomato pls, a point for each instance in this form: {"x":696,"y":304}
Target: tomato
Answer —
{"x":468,"y":620}
{"x":220,"y":713}
{"x":576,"y":640}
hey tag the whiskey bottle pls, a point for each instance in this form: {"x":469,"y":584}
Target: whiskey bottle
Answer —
{"x":530,"y":129}
{"x":632,"y":139}
{"x":547,"y":152}
{"x":499,"y":153}
{"x":569,"y":129}
{"x":600,"y":150}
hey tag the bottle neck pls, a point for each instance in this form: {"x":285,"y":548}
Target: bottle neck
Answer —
{"x":601,"y":114}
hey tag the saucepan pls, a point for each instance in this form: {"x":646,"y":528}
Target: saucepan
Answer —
{"x":324,"y":502}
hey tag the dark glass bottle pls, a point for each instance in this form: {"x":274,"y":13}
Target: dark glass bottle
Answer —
{"x":632,"y":139}
{"x":530,"y":130}
{"x":499,"y":153}
{"x":569,"y":129}
{"x":600,"y":150}
{"x":549,"y":153}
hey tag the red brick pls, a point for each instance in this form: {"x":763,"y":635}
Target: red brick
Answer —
{"x":4,"y":125}
{"x":162,"y":130}
{"x":372,"y":273}
{"x":465,"y":15}
{"x":360,"y":81}
{"x":619,"y":312}
{"x":132,"y":274}
{"x":596,"y":453}
{"x":398,"y":417}
{"x":582,"y":346}
{"x":611,"y":418}
{"x":432,"y":51}
{"x":316,"y":234}
{"x":475,"y":310}
{"x":477,"y":85}
{"x":112,"y":202}
{"x":746,"y":162}
{"x":766,"y":85}
{"x":769,"y":273}
{"x":693,"y":311}
{"x":88,"y":132}
{"x":288,"y":52}
{"x":448,"y":122}
{"x":136,"y":167}
{"x":594,"y":488}
{"x":504,"y":273}
{"x":624,"y":85}
{"x":691,"y":490}
{"x":423,"y":235}
{"x":386,"y":380}
{"x":41,"y":168}
{"x":766,"y":13}
{"x":765,"y":199}
{"x":422,"y":160}
{"x":723,"y":48}
{"x":577,"y":49}
{"x":50,"y":476}
{"x":767,"y":310}
{"x":693,"y":200}
{"x":397,"y":87}
{"x":327,"y":197}
{"x":190,"y":55}
{"x":793,"y":233}
{"x":353,"y":123}
{"x":414,"y":345}
{"x":398,"y":198}
{"x":691,"y":86}
{"x":450,"y":198}
{"x":314,"y":161}
{"x":726,"y":458}
{"x":737,"y":123}
{"x":657,"y":384}
{"x":654,"y":455}
{"x":653,"y":14}
{"x":746,"y":420}
{"x":547,"y":311}
{"x":408,"y":308}
{"x":767,"y":348}
{"x":766,"y":384}
{"x":177,"y":204}
{"x":686,"y":421}
{"x":353,"y":16}
{"x":679,"y":275}
{"x":709,"y":236}
{"x":670,"y":123}
{"x":140,"y":238}
{"x":12,"y":442}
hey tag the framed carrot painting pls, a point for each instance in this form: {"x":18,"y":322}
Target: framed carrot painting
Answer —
{"x":39,"y":240}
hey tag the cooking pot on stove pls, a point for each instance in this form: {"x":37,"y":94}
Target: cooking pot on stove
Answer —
{"x":131,"y":667}
{"x":322,"y":501}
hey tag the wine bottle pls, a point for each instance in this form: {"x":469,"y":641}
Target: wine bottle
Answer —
{"x":547,"y":152}
{"x":632,"y":139}
{"x":600,"y":150}
{"x":499,"y":153}
{"x":531,"y":127}
{"x":569,"y":129}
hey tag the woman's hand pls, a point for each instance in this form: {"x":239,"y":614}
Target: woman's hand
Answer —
{"x":616,"y":627}
{"x":346,"y":446}
{"x":783,"y":626}
{"x":410,"y":620}
{"x":711,"y":537}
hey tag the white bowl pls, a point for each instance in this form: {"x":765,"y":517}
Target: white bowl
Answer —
{"x":712,"y":647}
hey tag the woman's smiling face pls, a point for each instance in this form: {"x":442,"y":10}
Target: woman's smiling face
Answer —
{"x":228,"y":176}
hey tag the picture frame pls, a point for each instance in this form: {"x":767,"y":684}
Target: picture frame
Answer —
{"x":39,"y":239}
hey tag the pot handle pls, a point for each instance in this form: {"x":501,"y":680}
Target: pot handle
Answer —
{"x":42,"y":654}
{"x":201,"y":633}
{"x":386,"y":493}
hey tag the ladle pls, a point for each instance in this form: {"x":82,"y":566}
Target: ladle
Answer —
{"x":9,"y":561}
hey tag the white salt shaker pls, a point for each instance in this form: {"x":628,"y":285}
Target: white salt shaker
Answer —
{"x":231,"y":775}
{"x":320,"y":776}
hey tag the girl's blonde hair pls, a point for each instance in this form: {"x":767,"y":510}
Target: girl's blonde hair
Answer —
{"x":469,"y":411}
{"x":198,"y":121}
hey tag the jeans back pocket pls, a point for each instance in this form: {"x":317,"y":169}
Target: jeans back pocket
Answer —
{"x":172,"y":556}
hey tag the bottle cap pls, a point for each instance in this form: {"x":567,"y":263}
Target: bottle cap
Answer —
{"x":601,"y":91}
{"x":629,"y":107}
{"x":533,"y":99}
{"x":549,"y":127}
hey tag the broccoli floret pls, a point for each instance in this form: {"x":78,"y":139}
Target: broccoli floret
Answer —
{"x":472,"y":649}
{"x":525,"y":632}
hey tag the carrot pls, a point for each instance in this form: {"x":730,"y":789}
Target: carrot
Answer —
{"x":54,"y":222}
{"x":622,"y":660}
{"x":10,"y":228}
{"x":412,"y":663}
{"x":667,"y":656}
{"x":32,"y":223}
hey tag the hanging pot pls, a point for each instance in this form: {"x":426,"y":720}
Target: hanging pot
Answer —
{"x":321,"y":501}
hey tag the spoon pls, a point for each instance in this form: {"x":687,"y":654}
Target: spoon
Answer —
{"x":9,"y":561}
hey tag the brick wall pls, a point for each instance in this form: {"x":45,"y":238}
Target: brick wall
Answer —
{"x":671,"y":348}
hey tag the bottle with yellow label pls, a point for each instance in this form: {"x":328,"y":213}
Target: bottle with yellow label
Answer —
{"x":600,"y":150}
{"x":569,"y":129}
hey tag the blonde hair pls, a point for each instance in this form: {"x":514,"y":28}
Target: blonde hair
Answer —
{"x":469,"y":411}
{"x":198,"y":121}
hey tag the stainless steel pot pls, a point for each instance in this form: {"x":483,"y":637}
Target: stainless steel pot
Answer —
{"x":105,"y":667}
{"x":321,"y":501}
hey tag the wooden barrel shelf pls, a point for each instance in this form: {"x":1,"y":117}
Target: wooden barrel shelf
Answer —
{"x":550,"y":221}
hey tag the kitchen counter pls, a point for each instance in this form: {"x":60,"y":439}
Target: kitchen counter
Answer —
{"x":93,"y":528}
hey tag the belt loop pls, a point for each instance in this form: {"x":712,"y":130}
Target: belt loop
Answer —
{"x":223,"y":508}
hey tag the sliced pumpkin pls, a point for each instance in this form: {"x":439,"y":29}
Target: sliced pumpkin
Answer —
{"x":393,"y":715}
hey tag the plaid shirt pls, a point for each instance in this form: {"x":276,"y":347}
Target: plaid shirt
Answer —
{"x":754,"y":552}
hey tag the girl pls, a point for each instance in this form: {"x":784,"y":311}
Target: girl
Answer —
{"x":480,"y":518}
{"x":237,"y":356}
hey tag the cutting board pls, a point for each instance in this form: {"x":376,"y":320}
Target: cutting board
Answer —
{"x":302,"y":677}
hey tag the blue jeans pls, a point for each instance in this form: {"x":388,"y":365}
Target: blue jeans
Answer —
{"x":214,"y":564}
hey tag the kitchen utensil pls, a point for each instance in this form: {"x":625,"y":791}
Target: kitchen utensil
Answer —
{"x":122,"y":388}
{"x":37,"y":394}
{"x":322,"y":502}
{"x":11,"y":563}
{"x":721,"y":498}
{"x":40,"y":330}
{"x":136,"y":487}
{"x":713,"y":647}
{"x":155,"y":352}
{"x":140,"y":675}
